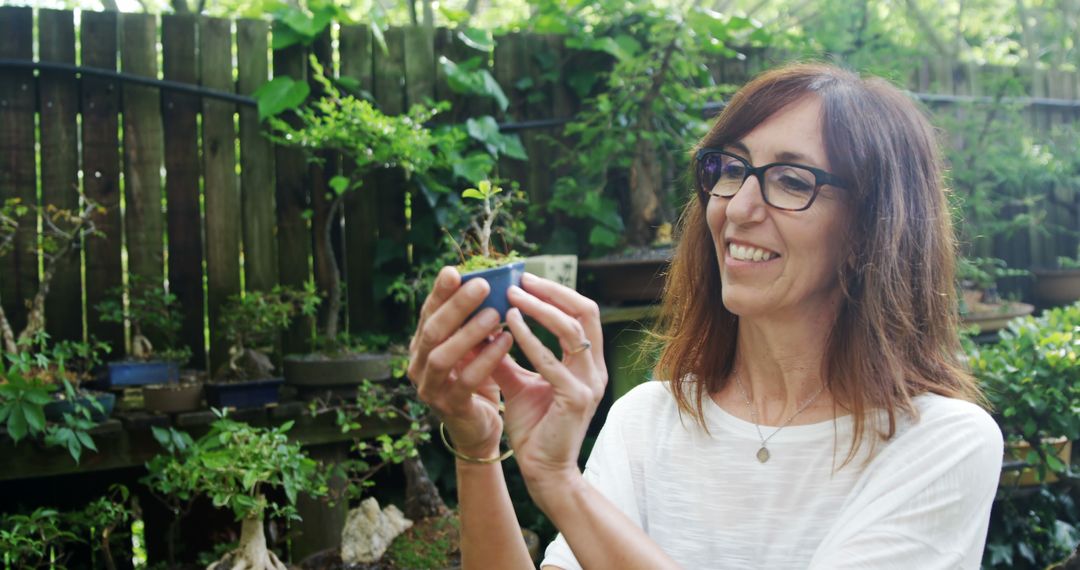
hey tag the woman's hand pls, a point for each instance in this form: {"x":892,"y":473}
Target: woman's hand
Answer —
{"x":547,"y":412}
{"x":451,"y":364}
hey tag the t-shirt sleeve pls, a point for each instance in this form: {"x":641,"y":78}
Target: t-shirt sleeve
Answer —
{"x":925,"y":501}
{"x":608,"y":470}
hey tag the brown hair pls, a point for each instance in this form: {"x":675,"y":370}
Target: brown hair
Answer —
{"x":896,"y":333}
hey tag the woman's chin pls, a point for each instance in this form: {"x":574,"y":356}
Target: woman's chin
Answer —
{"x":741,"y":306}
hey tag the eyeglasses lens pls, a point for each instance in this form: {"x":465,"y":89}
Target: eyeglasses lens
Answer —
{"x":786,"y":187}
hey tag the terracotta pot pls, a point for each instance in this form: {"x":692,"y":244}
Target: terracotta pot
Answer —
{"x":173,"y":398}
{"x":346,"y":370}
{"x":1057,"y":286}
{"x":1017,"y":451}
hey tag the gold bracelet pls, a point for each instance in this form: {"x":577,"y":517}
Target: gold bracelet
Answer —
{"x":469,"y":459}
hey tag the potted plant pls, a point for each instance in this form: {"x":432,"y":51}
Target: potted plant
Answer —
{"x":1059,"y":285}
{"x":981,"y":305}
{"x":367,"y":140}
{"x":234,"y":465}
{"x":250,"y":323}
{"x":36,"y":540}
{"x":480,"y":259}
{"x":151,"y":312}
{"x":1032,"y":379}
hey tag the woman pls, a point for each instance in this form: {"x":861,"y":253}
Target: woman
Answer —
{"x":812,"y":411}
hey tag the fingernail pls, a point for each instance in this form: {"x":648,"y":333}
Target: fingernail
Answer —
{"x":477,"y":288}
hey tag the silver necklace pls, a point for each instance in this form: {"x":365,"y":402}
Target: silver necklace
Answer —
{"x":763,"y":453}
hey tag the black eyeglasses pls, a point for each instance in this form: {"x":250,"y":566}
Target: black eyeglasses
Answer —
{"x":784,"y":185}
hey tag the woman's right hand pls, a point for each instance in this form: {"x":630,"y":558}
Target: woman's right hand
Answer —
{"x":451,"y":362}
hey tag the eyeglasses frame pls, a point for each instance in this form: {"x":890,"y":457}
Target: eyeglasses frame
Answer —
{"x":821,"y":177}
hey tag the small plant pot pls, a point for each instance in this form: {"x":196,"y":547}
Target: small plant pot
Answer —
{"x":499,"y":279}
{"x":55,"y":410}
{"x":173,"y":398}
{"x":561,"y":269}
{"x":1027,"y":475}
{"x":1057,"y":286}
{"x":991,"y":318}
{"x":132,"y":373}
{"x":244,"y":394}
{"x":346,"y":370}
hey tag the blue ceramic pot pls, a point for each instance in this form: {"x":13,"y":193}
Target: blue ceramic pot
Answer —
{"x":134,"y":373}
{"x":245,"y":394}
{"x":500,"y":279}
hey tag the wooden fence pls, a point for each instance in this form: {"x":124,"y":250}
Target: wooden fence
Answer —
{"x":196,"y":194}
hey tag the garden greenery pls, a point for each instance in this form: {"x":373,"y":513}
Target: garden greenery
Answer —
{"x":152,"y":312}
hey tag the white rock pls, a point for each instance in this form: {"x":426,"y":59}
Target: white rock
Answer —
{"x":369,"y":531}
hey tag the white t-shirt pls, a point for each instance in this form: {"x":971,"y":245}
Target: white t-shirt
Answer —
{"x":923,"y":502}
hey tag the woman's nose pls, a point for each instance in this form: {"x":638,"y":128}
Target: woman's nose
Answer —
{"x":748,"y":204}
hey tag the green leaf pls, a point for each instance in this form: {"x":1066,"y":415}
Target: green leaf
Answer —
{"x":468,"y":78}
{"x":475,"y":167}
{"x":478,"y":39}
{"x":35,"y":418}
{"x":601,"y":236}
{"x":349,"y":83}
{"x":279,"y":95}
{"x":16,"y":425}
{"x":86,"y":440}
{"x":284,"y":37}
{"x":340,"y":184}
{"x":512,"y":147}
{"x":472,"y":193}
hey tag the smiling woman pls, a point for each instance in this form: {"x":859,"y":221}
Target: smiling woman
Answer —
{"x":809,"y":334}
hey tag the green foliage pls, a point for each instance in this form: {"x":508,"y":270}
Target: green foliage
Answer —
{"x":254,"y":319}
{"x":1032,"y":378}
{"x":392,"y":403}
{"x":232,"y":465}
{"x":36,"y":540}
{"x":1031,"y":532}
{"x":431,"y":549}
{"x":469,"y":77}
{"x":152,"y":312}
{"x":642,"y":101}
{"x":22,"y":404}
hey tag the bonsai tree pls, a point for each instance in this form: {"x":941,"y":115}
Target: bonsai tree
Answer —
{"x":250,"y":324}
{"x":36,"y":540}
{"x":489,"y":215}
{"x":233,"y":465}
{"x":368,"y":140}
{"x":151,"y":312}
{"x":62,"y":233}
{"x":980,"y":276}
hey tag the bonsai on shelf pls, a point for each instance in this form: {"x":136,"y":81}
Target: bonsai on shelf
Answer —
{"x":234,"y":465}
{"x":150,"y":312}
{"x":250,"y":323}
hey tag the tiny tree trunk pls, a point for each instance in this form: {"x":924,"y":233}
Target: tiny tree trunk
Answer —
{"x":251,"y":553}
{"x":422,"y":498}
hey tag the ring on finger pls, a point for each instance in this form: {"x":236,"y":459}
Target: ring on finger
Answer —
{"x":585,"y":345}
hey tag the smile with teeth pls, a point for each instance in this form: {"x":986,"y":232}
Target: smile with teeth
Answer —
{"x":746,"y":253}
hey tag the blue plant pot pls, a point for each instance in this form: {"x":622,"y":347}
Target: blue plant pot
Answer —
{"x":246,"y":394}
{"x":133,"y":373}
{"x":500,"y":279}
{"x":55,"y":410}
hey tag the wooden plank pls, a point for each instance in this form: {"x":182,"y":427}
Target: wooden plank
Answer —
{"x":223,"y":207}
{"x":58,"y":100}
{"x":360,"y":207}
{"x":509,"y":68}
{"x":101,"y":169}
{"x":293,"y":235}
{"x":144,"y":152}
{"x":256,"y":161}
{"x":389,"y":84}
{"x":539,"y":180}
{"x":178,"y":33}
{"x":19,"y":269}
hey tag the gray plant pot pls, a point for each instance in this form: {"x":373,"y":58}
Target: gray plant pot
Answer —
{"x":346,"y":370}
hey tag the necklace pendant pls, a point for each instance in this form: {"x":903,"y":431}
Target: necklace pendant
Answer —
{"x":763,"y":454}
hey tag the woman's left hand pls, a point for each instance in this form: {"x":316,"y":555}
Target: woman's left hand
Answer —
{"x":548,"y":411}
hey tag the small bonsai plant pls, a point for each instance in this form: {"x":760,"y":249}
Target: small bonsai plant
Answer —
{"x":151,"y":312}
{"x":251,"y":323}
{"x":978,"y":279}
{"x":36,"y":540}
{"x":233,"y":465}
{"x":491,"y":216}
